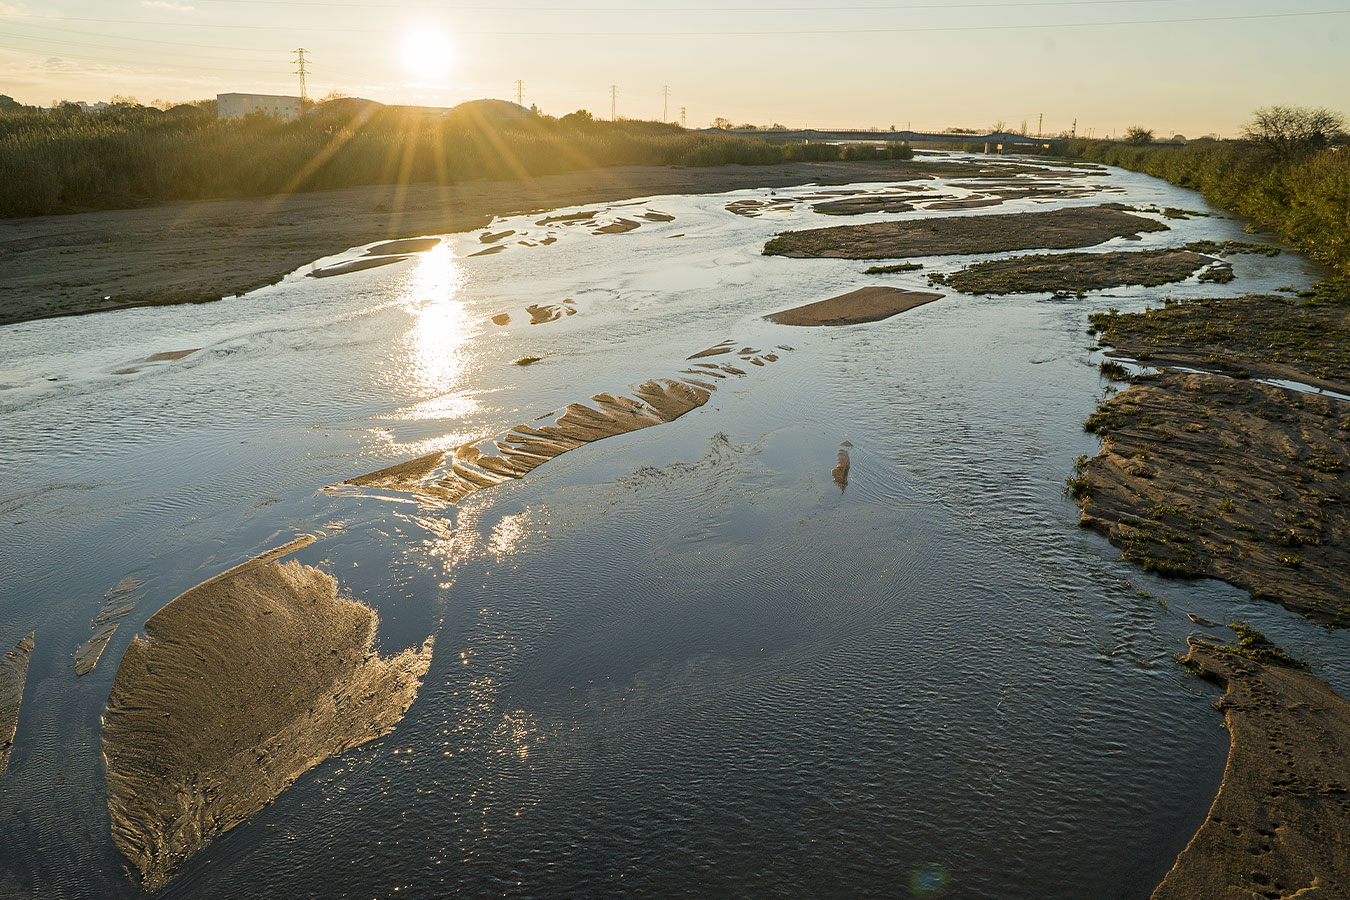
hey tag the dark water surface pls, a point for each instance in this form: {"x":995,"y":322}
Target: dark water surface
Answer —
{"x":678,"y":662}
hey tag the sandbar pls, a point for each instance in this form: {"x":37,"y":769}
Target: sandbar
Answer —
{"x":407,"y":245}
{"x":1059,"y":229}
{"x":1076,"y":272}
{"x":355,"y":265}
{"x":450,"y":476}
{"x":869,"y":304}
{"x":13,"y":676}
{"x":242,"y":684}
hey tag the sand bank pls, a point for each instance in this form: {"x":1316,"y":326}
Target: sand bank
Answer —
{"x":1280,"y":826}
{"x":1201,"y":475}
{"x":244,"y":683}
{"x":1076,"y":272}
{"x":450,"y":476}
{"x":355,"y":265}
{"x":1059,"y":229}
{"x":13,"y":676}
{"x":399,"y":248}
{"x":869,"y":304}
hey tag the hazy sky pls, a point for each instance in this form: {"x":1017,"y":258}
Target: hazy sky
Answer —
{"x":1178,"y":66}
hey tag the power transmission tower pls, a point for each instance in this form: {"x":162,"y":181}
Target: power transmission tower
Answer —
{"x":684,"y":117}
{"x":302,"y":69}
{"x":665,"y":110}
{"x":520,"y":92}
{"x":1073,"y":132}
{"x":1040,"y":120}
{"x":613,"y":102}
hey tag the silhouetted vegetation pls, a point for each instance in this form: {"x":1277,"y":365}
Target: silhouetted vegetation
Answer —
{"x":1300,"y":191}
{"x":66,"y":160}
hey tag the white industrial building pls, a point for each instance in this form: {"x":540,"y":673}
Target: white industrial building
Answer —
{"x":236,"y":106}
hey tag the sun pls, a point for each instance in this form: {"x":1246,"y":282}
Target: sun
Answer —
{"x":426,"y":54}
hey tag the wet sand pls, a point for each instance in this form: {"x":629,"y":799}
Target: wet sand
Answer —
{"x":13,"y":676}
{"x":869,"y":304}
{"x":1058,"y":230}
{"x":1280,"y":825}
{"x":201,"y":252}
{"x":243,"y":683}
{"x":355,"y":265}
{"x":450,"y":476}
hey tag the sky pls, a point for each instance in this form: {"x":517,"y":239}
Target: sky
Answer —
{"x":1190,"y":67}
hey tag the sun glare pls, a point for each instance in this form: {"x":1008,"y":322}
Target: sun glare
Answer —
{"x":427,"y":54}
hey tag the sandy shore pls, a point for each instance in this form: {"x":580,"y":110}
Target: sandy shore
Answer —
{"x":1280,"y":825}
{"x":200,"y":252}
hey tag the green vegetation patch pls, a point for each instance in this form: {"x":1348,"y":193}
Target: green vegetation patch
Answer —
{"x":1255,"y":645}
{"x":893,"y":270}
{"x":1238,"y":334}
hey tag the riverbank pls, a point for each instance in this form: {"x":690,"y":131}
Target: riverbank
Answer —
{"x":1280,"y":823}
{"x":1205,"y":472}
{"x":205,"y":251}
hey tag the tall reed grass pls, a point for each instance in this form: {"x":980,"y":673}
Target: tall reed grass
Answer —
{"x":65,"y":160}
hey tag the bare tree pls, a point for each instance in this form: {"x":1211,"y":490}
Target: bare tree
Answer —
{"x":1289,"y":132}
{"x":1138,"y":135}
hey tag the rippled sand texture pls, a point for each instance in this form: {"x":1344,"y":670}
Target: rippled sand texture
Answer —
{"x":13,"y":674}
{"x":245,"y":682}
{"x":451,"y":476}
{"x":1281,"y":823}
{"x":117,"y":603}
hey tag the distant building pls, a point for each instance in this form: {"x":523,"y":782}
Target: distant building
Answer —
{"x":236,"y":106}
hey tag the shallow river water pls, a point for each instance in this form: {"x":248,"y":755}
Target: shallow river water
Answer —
{"x":678,"y":662}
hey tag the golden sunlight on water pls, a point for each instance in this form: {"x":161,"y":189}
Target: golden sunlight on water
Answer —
{"x":436,"y":358}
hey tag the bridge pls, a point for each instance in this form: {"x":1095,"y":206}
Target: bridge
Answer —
{"x":997,"y":140}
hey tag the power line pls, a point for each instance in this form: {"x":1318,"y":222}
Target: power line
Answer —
{"x":815,"y":32}
{"x":302,"y":71}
